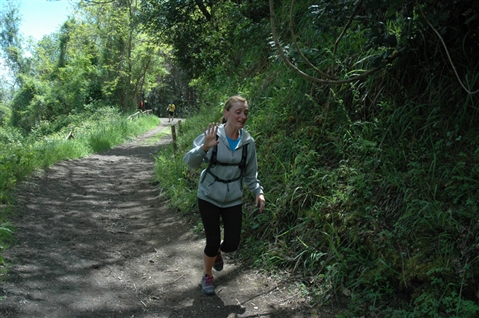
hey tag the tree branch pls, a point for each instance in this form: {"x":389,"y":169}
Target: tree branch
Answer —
{"x":347,"y":26}
{"x":303,"y":74}
{"x":448,"y":56}
{"x":203,"y":9}
{"x":293,"y":36}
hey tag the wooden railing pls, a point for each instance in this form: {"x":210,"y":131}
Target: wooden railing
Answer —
{"x":140,"y":112}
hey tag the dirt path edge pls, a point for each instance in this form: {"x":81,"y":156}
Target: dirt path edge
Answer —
{"x":94,"y":238}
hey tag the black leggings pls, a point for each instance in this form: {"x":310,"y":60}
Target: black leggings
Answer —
{"x":232,"y":220}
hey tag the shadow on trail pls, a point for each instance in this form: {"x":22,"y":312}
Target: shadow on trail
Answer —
{"x":94,"y":238}
{"x":87,"y":232}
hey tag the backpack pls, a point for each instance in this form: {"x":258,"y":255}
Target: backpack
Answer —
{"x":214,"y":161}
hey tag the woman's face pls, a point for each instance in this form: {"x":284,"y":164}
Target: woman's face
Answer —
{"x":237,"y":115}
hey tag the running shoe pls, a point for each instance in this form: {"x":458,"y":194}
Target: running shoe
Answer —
{"x":207,"y":285}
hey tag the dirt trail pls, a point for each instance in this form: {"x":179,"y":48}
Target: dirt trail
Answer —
{"x":95,"y":239}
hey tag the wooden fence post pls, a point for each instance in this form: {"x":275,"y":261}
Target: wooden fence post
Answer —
{"x":173,"y":134}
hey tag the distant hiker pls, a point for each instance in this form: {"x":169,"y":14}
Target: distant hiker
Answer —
{"x":230,"y":153}
{"x":171,"y":111}
{"x":141,"y":105}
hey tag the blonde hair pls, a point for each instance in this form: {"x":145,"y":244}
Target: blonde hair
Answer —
{"x":229,"y":103}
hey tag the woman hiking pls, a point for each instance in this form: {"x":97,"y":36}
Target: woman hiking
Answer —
{"x":230,"y":153}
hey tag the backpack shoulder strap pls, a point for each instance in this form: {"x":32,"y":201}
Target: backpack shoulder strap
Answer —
{"x":213,"y":162}
{"x":244,"y":156}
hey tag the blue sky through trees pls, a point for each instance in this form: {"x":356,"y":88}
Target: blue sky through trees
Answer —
{"x":43,"y":17}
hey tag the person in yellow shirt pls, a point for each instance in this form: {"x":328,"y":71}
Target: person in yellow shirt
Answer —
{"x":171,"y":112}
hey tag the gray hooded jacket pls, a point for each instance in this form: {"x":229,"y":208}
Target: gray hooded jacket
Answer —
{"x":216,"y":192}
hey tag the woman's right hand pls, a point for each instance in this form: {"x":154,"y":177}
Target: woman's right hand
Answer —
{"x":210,"y":136}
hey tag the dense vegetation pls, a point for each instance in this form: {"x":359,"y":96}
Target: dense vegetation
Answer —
{"x":371,"y":180}
{"x":364,"y":114}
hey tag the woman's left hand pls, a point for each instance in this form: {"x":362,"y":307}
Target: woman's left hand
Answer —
{"x":260,"y":202}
